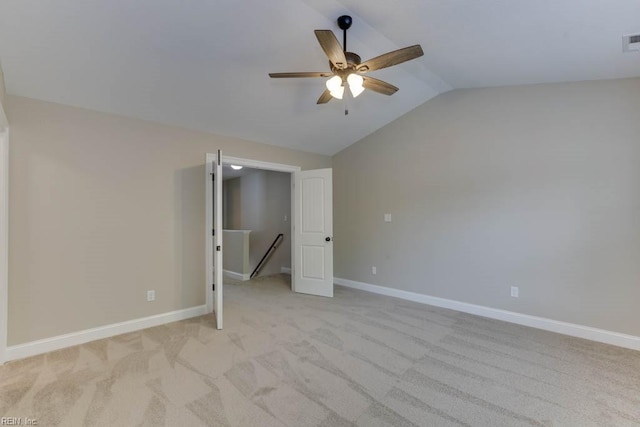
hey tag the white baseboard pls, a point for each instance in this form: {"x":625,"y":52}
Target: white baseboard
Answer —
{"x":572,"y":329}
{"x":33,"y":348}
{"x":236,"y":276}
{"x":285,"y":270}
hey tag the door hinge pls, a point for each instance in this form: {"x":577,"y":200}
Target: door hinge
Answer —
{"x":213,"y":286}
{"x":213,"y":231}
{"x":213,"y":177}
{"x":217,"y":249}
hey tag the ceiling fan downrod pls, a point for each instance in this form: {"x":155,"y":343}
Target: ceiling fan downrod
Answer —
{"x":344,"y":23}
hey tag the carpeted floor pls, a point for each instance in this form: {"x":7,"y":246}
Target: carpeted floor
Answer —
{"x":298,"y":360}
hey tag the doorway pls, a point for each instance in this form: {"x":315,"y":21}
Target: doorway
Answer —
{"x":211,"y":162}
{"x":310,"y":228}
{"x":256,"y":206}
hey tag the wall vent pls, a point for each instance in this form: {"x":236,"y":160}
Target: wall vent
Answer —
{"x":631,"y":43}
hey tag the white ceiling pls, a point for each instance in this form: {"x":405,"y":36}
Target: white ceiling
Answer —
{"x":203,"y":64}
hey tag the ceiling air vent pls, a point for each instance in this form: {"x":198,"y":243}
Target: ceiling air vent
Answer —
{"x":631,"y":43}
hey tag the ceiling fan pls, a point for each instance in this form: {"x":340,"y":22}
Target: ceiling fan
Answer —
{"x":346,"y":67}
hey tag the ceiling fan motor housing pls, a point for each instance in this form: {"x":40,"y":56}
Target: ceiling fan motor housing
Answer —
{"x":353,"y":60}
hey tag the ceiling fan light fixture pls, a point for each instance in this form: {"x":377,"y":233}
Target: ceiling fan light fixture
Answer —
{"x":355,"y":84}
{"x":236,"y":167}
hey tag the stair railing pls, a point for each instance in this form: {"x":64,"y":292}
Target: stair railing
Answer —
{"x":267,"y":254}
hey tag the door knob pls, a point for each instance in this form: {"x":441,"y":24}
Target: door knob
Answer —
{"x":328,"y":239}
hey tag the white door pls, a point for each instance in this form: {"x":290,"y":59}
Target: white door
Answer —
{"x":313,"y":234}
{"x":217,"y":239}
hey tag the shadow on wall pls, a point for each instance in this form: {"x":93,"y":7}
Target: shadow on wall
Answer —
{"x":189,"y":241}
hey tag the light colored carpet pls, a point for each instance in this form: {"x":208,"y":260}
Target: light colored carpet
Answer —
{"x":357,"y":359}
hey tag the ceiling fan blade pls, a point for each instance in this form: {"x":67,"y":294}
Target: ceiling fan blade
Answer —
{"x":325,"y":97}
{"x":332,"y":48}
{"x":391,"y":58}
{"x":300,"y":74}
{"x":379,"y":86}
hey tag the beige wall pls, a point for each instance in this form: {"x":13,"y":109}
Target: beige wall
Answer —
{"x":3,"y":118}
{"x":259,"y":202}
{"x":104,"y":208}
{"x":531,"y":186}
{"x":2,"y":87}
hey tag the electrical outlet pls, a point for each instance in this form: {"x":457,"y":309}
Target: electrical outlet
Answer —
{"x":387,"y":217}
{"x":373,"y":270}
{"x":286,"y":218}
{"x":515,"y":292}
{"x":151,"y":295}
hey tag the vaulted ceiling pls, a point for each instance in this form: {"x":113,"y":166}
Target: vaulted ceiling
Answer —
{"x":203,"y":64}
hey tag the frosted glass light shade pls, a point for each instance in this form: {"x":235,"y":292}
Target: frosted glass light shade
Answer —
{"x":337,"y":93}
{"x":334,"y":83}
{"x":355,"y":84}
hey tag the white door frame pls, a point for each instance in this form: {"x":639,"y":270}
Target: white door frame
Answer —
{"x":4,"y":239}
{"x":249,"y":163}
